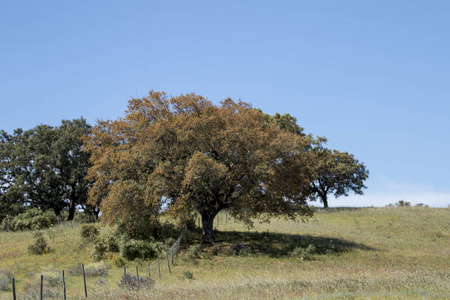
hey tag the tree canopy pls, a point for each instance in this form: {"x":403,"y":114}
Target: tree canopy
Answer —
{"x":44,"y":167}
{"x":337,"y":173}
{"x":182,"y":155}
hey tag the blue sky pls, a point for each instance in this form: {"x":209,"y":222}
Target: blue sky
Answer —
{"x":371,"y":76}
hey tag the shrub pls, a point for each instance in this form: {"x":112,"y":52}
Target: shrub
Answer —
{"x":32,"y":219}
{"x":135,"y":283}
{"x":120,"y":262}
{"x":52,"y":278}
{"x":96,"y":270}
{"x":82,"y":217}
{"x":99,"y":249}
{"x":133,"y":249}
{"x":89,"y":233}
{"x":241,"y":250}
{"x":112,"y":243}
{"x":402,"y":203}
{"x":188,"y":274}
{"x":193,"y":252}
{"x":33,"y":292}
{"x":5,"y":280}
{"x":304,"y":253}
{"x":39,"y":246}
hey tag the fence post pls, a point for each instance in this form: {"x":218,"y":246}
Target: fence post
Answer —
{"x":159,"y":269}
{"x":125,"y":275}
{"x":84,"y":280}
{"x":171,"y":255}
{"x":42,"y":288}
{"x":149,"y":273}
{"x":64,"y":285}
{"x":137,"y":275}
{"x":167,"y":257}
{"x":14,"y":288}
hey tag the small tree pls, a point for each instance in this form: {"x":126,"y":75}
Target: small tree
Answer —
{"x":337,"y":173}
{"x":188,"y":155}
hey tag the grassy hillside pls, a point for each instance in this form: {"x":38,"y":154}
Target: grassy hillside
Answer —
{"x":400,"y":253}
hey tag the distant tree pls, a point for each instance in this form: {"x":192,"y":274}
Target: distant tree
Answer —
{"x":337,"y":173}
{"x":44,"y":167}
{"x":187,"y":155}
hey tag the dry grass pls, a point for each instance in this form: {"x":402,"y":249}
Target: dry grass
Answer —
{"x":375,"y":253}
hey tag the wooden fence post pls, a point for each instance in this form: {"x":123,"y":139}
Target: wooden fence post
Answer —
{"x":84,"y":280}
{"x":42,"y":288}
{"x":64,"y":285}
{"x":125,"y":275}
{"x":14,"y":288}
{"x":159,"y":269}
{"x":137,"y":275}
{"x":167,"y":257}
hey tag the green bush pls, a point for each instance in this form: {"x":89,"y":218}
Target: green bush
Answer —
{"x":112,"y":243}
{"x":193,"y":252}
{"x":120,"y":262}
{"x":188,"y":274}
{"x":133,"y":249}
{"x":89,"y":233}
{"x":39,"y":246}
{"x":99,"y":249}
{"x":304,"y":253}
{"x":96,"y":270}
{"x":5,"y":280}
{"x":32,"y":219}
{"x":81,"y":217}
{"x":52,"y":278}
{"x":402,"y":203}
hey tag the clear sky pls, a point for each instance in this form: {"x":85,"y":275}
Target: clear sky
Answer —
{"x":371,"y":76}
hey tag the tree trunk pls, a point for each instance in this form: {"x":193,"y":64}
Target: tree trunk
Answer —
{"x":207,"y":227}
{"x":71,"y":210}
{"x":325,"y":201}
{"x":72,"y":204}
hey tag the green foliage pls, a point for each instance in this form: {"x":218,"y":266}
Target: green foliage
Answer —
{"x":131,"y":282}
{"x":193,"y":252}
{"x":286,"y":122}
{"x":5,"y":280}
{"x":241,"y":250}
{"x":304,"y":253}
{"x":133,"y":249}
{"x":44,"y":167}
{"x":188,"y":274}
{"x":82,"y":217}
{"x":39,"y":246}
{"x":52,"y":278}
{"x":96,"y":270}
{"x":336,"y":173}
{"x":120,"y":262}
{"x":402,"y":203}
{"x":112,"y":243}
{"x":99,"y":249}
{"x":31,"y":219}
{"x":89,"y":233}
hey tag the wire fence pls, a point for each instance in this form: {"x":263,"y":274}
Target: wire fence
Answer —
{"x":153,"y":270}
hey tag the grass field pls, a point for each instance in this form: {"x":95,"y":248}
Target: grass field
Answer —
{"x":367,"y":253}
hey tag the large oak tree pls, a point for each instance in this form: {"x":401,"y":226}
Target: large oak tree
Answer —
{"x":183,"y":155}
